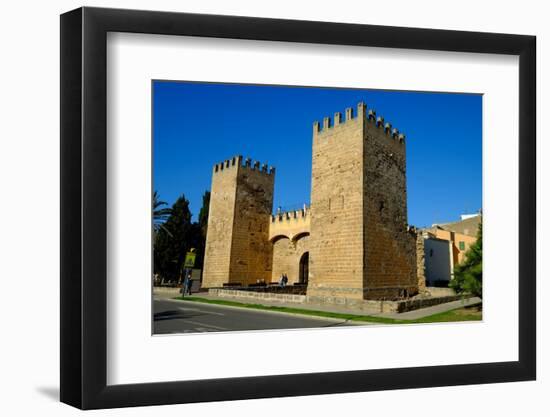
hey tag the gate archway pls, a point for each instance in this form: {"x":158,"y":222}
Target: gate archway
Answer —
{"x":304,"y":268}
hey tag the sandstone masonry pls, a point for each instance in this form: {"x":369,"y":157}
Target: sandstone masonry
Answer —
{"x":352,"y":244}
{"x":238,"y":249}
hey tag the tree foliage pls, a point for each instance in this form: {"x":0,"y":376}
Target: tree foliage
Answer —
{"x":202,"y":228}
{"x":468,"y":276}
{"x":176,"y":234}
{"x":172,"y":241}
{"x":203,"y":213}
{"x":160,"y":213}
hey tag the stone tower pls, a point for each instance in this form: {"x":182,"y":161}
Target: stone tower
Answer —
{"x":360,"y":247}
{"x":237,"y":243}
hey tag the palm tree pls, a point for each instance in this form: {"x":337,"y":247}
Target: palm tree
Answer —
{"x":160,"y":214}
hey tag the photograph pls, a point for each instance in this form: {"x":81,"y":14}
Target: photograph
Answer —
{"x":275,"y":209}
{"x":278,"y":207}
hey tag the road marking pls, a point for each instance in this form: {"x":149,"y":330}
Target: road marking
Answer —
{"x":206,"y":325}
{"x":200,"y":311}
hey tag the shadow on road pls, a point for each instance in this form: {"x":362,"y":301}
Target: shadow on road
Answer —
{"x":340,"y":323}
{"x":175,"y":314}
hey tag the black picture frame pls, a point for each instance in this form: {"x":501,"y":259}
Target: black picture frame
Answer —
{"x":84,"y":207}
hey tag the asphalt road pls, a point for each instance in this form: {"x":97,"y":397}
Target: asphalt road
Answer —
{"x":171,"y":316}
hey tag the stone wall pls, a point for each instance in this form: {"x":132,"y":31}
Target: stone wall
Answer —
{"x":440,"y":291}
{"x":283,"y":258}
{"x":336,"y":255}
{"x":237,"y":245}
{"x":167,"y":292}
{"x":256,"y":296}
{"x":360,"y":244}
{"x":291,"y":224}
{"x":250,"y":247}
{"x":390,"y":249}
{"x":217,"y":257}
{"x":286,"y":258}
{"x":343,"y":305}
{"x":420,"y":263}
{"x":356,"y":230}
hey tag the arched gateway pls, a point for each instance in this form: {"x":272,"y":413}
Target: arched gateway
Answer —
{"x":358,"y":216}
{"x":304,"y":268}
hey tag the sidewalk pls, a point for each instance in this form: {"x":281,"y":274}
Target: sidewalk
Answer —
{"x":409,"y":315}
{"x":430,"y":311}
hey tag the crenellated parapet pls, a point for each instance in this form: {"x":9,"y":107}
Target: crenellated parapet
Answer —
{"x":330,"y":125}
{"x":355,"y":235}
{"x":247,"y":163}
{"x":281,"y":216}
{"x":292,"y":225}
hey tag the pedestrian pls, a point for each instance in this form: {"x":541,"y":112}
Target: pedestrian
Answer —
{"x":184,"y":286}
{"x":282,"y":281}
{"x":189,"y":283}
{"x":285,"y":280}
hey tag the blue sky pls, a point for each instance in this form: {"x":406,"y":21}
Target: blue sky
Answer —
{"x":196,"y":125}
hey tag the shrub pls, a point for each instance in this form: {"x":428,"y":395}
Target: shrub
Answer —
{"x":468,"y":276}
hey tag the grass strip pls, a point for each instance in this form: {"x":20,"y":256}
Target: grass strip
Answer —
{"x":447,"y":316}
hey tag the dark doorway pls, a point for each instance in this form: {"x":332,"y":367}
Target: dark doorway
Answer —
{"x":304,"y":268}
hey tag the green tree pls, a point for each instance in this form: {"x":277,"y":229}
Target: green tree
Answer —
{"x":202,"y":227}
{"x":203,"y":213}
{"x":468,"y":276}
{"x":173,"y":240}
{"x":160,"y":213}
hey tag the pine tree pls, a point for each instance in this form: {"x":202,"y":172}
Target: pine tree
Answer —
{"x":202,"y":226}
{"x":203,"y":213}
{"x":468,"y":276}
{"x":173,"y":240}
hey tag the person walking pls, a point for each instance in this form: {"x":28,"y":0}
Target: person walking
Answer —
{"x":185,"y":285}
{"x":188,"y":284}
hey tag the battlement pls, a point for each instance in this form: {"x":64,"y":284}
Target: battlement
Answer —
{"x":369,"y":116}
{"x":293,"y":224}
{"x":281,"y":216}
{"x":238,"y":161}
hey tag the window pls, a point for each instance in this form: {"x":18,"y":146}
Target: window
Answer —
{"x":461,"y":245}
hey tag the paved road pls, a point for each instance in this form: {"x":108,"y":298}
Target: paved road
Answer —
{"x":171,"y":316}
